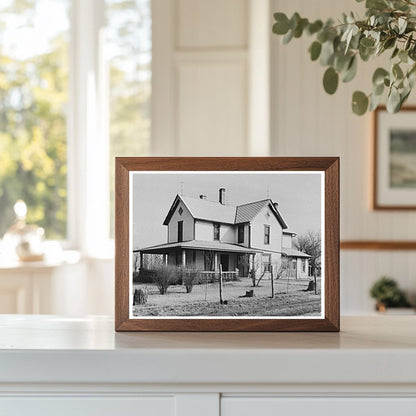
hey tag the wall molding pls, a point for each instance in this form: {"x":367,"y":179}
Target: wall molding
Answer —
{"x":377,"y":245}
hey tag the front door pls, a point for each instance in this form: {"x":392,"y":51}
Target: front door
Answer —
{"x":224,"y":260}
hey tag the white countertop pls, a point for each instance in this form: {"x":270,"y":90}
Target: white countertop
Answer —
{"x":52,"y":349}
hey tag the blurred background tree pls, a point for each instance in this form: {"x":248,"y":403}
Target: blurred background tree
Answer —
{"x":34,"y":76}
{"x":33,"y":97}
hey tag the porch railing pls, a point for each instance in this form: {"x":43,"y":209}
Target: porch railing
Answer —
{"x":215,"y":276}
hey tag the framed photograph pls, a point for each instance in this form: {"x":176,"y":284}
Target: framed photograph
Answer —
{"x":227,"y":244}
{"x":394,"y":179}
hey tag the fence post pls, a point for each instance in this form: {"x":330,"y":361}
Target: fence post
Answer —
{"x":221,"y":299}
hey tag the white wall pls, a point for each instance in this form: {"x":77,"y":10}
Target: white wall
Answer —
{"x":287,"y":240}
{"x":188,"y":224}
{"x":308,"y":122}
{"x":203,"y":85}
{"x":257,"y":231}
{"x":210,"y":97}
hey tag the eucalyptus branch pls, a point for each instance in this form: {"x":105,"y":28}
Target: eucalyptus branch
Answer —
{"x":389,"y":25}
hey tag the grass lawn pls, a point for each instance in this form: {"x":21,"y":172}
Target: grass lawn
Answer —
{"x":290,"y":300}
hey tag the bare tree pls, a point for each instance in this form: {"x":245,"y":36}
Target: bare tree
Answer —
{"x":136,"y":261}
{"x":310,"y":243}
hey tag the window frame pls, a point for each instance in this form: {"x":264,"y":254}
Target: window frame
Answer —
{"x":240,"y":233}
{"x":217,"y":229}
{"x":180,"y":231}
{"x":267,"y":233}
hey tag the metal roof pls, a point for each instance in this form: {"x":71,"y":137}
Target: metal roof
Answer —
{"x":198,"y":245}
{"x":211,"y":211}
{"x":203,"y":209}
{"x":247,"y":212}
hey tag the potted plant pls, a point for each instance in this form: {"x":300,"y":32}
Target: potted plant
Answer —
{"x":387,"y":294}
{"x":389,"y":27}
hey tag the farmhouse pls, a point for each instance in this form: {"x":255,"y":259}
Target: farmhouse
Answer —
{"x":213,"y":236}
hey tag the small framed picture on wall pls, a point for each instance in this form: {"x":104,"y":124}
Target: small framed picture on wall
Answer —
{"x":394,"y":178}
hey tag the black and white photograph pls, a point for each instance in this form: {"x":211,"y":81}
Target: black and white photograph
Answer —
{"x":226,"y":244}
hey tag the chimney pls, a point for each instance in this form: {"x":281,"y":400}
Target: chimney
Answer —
{"x":202,"y":196}
{"x":276,"y":205}
{"x":221,"y":198}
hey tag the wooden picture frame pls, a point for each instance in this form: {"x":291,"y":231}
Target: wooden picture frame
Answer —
{"x":394,"y":185}
{"x":129,"y":185}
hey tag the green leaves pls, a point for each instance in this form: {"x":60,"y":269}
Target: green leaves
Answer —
{"x":379,"y":75}
{"x":281,"y":27}
{"x":330,"y":80}
{"x":359,"y":103}
{"x":315,"y":50}
{"x":339,"y":44}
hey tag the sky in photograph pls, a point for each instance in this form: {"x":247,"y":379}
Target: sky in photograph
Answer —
{"x":298,"y":196}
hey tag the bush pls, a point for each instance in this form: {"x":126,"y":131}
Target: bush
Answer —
{"x":190,"y":278}
{"x":143,"y":276}
{"x":164,"y":276}
{"x":387,"y":292}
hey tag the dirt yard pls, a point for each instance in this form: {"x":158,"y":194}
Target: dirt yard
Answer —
{"x":290,"y":300}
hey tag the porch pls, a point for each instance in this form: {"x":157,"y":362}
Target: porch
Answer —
{"x":210,"y":258}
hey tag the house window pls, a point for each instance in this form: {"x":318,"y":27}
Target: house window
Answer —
{"x":180,"y":231}
{"x":217,"y":232}
{"x":266,"y":260}
{"x":208,"y":261}
{"x":241,"y":233}
{"x":303,"y":265}
{"x":267,"y":234}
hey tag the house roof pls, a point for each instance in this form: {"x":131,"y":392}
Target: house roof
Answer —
{"x":198,"y":245}
{"x":207,"y":210}
{"x":203,"y":209}
{"x":247,"y":212}
{"x":292,"y":252}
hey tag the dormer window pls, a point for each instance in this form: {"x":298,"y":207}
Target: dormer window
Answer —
{"x":217,"y":228}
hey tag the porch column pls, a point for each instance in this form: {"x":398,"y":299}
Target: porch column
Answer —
{"x":141,"y":260}
{"x":183,"y":258}
{"x":165,"y":259}
{"x":216,"y":268}
{"x":250,"y":261}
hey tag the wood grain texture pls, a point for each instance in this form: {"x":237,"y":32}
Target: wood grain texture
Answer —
{"x":376,"y":204}
{"x":329,"y":165}
{"x":378,"y":245}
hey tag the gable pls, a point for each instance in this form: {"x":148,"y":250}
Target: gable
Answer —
{"x":248,"y":212}
{"x":202,"y":209}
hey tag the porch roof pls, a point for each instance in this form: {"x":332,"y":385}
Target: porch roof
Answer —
{"x":291,"y":252}
{"x":198,"y":245}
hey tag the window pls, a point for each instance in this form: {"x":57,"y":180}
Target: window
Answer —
{"x":33,"y":102}
{"x":60,"y":134}
{"x":267,"y":234}
{"x":240,"y":233}
{"x":180,"y":231}
{"x":208,"y":261}
{"x":266,"y":261}
{"x":217,"y":229}
{"x":129,"y":56}
{"x":303,"y":265}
